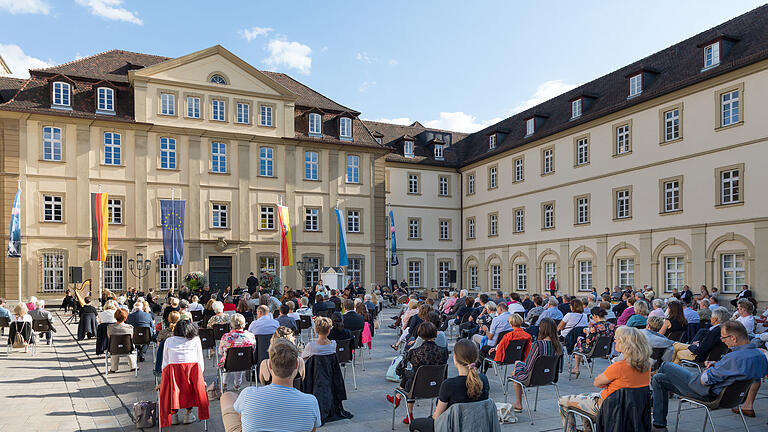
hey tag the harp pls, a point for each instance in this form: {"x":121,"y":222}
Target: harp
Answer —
{"x":78,"y":292}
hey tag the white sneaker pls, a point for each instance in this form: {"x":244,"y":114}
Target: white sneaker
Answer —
{"x":175,"y":418}
{"x":189,"y":418}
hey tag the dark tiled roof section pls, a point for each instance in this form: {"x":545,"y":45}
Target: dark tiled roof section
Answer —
{"x":9,"y":87}
{"x":111,"y":65}
{"x":422,"y":149}
{"x":330,"y":128}
{"x":35,"y":97}
{"x":306,"y":97}
{"x":679,"y":66}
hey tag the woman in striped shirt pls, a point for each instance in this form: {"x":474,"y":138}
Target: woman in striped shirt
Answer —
{"x":546,"y":345}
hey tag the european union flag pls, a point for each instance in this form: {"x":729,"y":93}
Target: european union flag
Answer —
{"x":172,"y":216}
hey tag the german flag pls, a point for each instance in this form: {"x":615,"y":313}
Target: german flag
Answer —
{"x":99,"y":223}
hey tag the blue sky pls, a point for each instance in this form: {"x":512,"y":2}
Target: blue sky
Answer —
{"x":452,"y":64}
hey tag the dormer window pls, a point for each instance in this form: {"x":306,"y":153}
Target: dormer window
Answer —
{"x":105,"y":101}
{"x":712,"y":55}
{"x":378,"y":140}
{"x":635,"y":85}
{"x":530,"y":126}
{"x":408,"y":149}
{"x":315,"y":125}
{"x":439,"y":151}
{"x":345,"y":128}
{"x":61,"y":94}
{"x":576,"y":108}
{"x":218,"y":79}
{"x":491,"y":142}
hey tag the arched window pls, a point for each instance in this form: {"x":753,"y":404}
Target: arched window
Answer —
{"x":218,"y":79}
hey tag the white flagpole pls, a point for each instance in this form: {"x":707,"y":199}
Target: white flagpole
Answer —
{"x":280,"y":232}
{"x":389,"y":244}
{"x":173,"y":243}
{"x":101,"y":269}
{"x":20,"y":252}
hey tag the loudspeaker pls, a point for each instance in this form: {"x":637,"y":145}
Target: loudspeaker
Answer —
{"x":451,"y":276}
{"x":75,"y":275}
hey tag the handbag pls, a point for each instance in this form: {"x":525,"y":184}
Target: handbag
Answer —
{"x":392,"y":370}
{"x":213,"y":390}
{"x":506,"y":413}
{"x":18,"y":338}
{"x":145,"y":414}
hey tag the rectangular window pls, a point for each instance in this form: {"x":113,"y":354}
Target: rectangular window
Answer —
{"x":353,"y":169}
{"x":243,"y":113}
{"x":623,"y":144}
{"x":106,"y":100}
{"x":493,"y":224}
{"x":443,"y":270}
{"x":353,"y":221}
{"x":519,"y":220}
{"x":439,"y":151}
{"x":443,"y":186}
{"x":167,"y":153}
{"x":414,"y":274}
{"x":355,"y":270}
{"x":312,"y":219}
{"x":672,"y":125}
{"x":470,"y":228}
{"x":218,"y":157}
{"x":576,"y":108}
{"x":53,"y":271}
{"x":267,"y":218}
{"x":265,"y":115}
{"x":729,"y":108}
{"x":635,"y":85}
{"x":496,"y":277}
{"x":672,"y":196}
{"x":115,"y":211}
{"x":61,"y":94}
{"x":266,"y":162}
{"x":530,"y":126}
{"x":548,"y":210}
{"x":168,"y":104}
{"x":623,"y":204}
{"x":582,"y":151}
{"x":732,"y":272}
{"x":219,"y":217}
{"x":674,"y":273}
{"x":345,"y":127}
{"x":53,"y":208}
{"x":315,"y":124}
{"x":52,"y":144}
{"x":414,"y":229}
{"x":445,"y":230}
{"x":112,"y":154}
{"x":519,"y":173}
{"x":217,"y":110}
{"x":408,"y":149}
{"x":730,"y":191}
{"x":268,"y":264}
{"x":521,"y":274}
{"x":582,"y":210}
{"x":311,"y":165}
{"x":585,"y":275}
{"x":491,"y":142}
{"x":114,"y":273}
{"x":473,"y":277}
{"x":193,"y":107}
{"x":492,"y":177}
{"x":311,"y":277}
{"x":626,"y":268}
{"x":413,"y":183}
{"x":712,"y":55}
{"x":470,"y":184}
{"x":548,"y":161}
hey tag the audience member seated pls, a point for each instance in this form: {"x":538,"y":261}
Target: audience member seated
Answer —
{"x":278,"y":406}
{"x":633,"y":371}
{"x":21,"y":322}
{"x":707,"y":340}
{"x":304,"y":309}
{"x":184,"y":347}
{"x":413,"y":322}
{"x":41,"y":314}
{"x":284,"y":320}
{"x":323,"y":345}
{"x":120,"y":328}
{"x":338,"y":332}
{"x":517,"y":333}
{"x":4,"y":313}
{"x":656,"y":340}
{"x":427,"y":354}
{"x":195,"y":305}
{"x":547,"y":344}
{"x":173,"y":305}
{"x":743,"y":314}
{"x":743,"y":362}
{"x":499,"y":324}
{"x":208,"y":312}
{"x":573,"y":319}
{"x":236,"y":338}
{"x":599,"y":327}
{"x":627,"y":312}
{"x":640,"y":317}
{"x":705,"y":313}
{"x":282,"y":334}
{"x":536,"y":310}
{"x":675,"y":321}
{"x":292,"y":311}
{"x":32,"y":303}
{"x":219,"y":316}
{"x":139,"y":317}
{"x":550,"y":311}
{"x":264,"y":324}
{"x":658,"y":308}
{"x":441,"y":340}
{"x":335,"y":299}
{"x":690,"y":315}
{"x":107,"y":316}
{"x":468,"y":386}
{"x":353,"y":321}
{"x":69,"y":301}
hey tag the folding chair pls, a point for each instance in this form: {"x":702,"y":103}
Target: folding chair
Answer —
{"x":425,"y":385}
{"x":602,"y":349}
{"x":730,"y":397}
{"x":344,"y":356}
{"x":512,"y":353}
{"x":197,"y":316}
{"x":305,"y":322}
{"x":544,"y":372}
{"x":208,"y":342}
{"x":119,"y":345}
{"x":143,"y":336}
{"x":4,"y":323}
{"x":714,"y":355}
{"x":219,"y":330}
{"x":238,"y":359}
{"x":41,"y":326}
{"x":357,"y":345}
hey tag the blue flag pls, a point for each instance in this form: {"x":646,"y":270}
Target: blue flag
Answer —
{"x":14,"y":244}
{"x":393,"y":259}
{"x":172,"y":216}
{"x":343,"y":260}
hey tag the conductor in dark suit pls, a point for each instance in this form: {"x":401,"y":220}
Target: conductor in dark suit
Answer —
{"x":252,"y":283}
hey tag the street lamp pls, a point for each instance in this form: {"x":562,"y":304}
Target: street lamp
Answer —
{"x":140,"y":267}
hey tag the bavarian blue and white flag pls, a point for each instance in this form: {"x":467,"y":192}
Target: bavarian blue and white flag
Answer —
{"x":393,"y":259}
{"x":343,"y":261}
{"x":14,"y":244}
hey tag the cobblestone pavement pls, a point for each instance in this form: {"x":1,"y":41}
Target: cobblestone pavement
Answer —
{"x":63,"y":388}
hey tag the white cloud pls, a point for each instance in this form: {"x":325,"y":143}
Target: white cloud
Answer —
{"x":20,"y":63}
{"x":292,"y":55}
{"x":254,"y":32}
{"x":111,"y":10}
{"x":363,"y":57}
{"x":25,"y":6}
{"x":393,"y":62}
{"x":405,"y":121}
{"x":365,"y":86}
{"x":459,"y":122}
{"x":544,"y":92}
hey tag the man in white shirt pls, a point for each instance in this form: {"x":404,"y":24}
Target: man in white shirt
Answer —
{"x":264,"y":324}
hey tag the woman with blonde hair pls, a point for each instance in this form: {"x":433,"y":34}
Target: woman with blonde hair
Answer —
{"x":323,"y":345}
{"x":281,"y":335}
{"x":21,"y":315}
{"x":167,"y":332}
{"x":633,"y":371}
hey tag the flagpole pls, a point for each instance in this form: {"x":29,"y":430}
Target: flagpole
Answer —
{"x":389,"y":243}
{"x":101,"y":268}
{"x":20,"y":257}
{"x":173,"y":242}
{"x":280,"y":232}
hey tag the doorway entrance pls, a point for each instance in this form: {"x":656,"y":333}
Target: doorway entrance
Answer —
{"x":219,"y":272}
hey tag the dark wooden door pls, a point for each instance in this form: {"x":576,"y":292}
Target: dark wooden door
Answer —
{"x":219,"y":272}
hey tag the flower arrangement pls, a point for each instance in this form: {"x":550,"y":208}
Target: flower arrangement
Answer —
{"x":270,"y":281}
{"x":195,"y":280}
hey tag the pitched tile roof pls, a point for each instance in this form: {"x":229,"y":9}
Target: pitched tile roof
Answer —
{"x":678,"y":66}
{"x":8,"y":88}
{"x":393,"y":135}
{"x":306,"y":96}
{"x":112,"y":65}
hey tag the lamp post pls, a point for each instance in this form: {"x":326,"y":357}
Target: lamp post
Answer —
{"x":305,"y":266}
{"x":140,"y":267}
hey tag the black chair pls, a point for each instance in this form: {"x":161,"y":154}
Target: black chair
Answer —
{"x":627,"y":408}
{"x":305,"y":322}
{"x":4,"y":323}
{"x":512,"y":353}
{"x":344,"y":355}
{"x":656,"y":356}
{"x":238,"y":359}
{"x":326,"y":313}
{"x":357,"y":345}
{"x":143,"y":336}
{"x":730,"y":397}
{"x":197,"y":316}
{"x":717,"y":352}
{"x":425,"y":385}
{"x":42,"y":326}
{"x":544,"y":372}
{"x":208,"y":342}
{"x":602,"y":349}
{"x":119,"y":345}
{"x":220,"y":330}
{"x":675,"y":335}
{"x":261,"y":351}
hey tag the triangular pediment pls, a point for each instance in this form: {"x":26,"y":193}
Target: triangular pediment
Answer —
{"x":197,"y":69}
